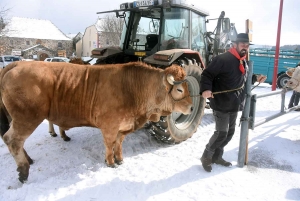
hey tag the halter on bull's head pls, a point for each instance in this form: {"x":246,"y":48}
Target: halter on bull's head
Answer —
{"x":178,"y":89}
{"x":294,"y":82}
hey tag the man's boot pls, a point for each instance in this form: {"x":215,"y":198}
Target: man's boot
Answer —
{"x":217,"y":158}
{"x":221,"y":161}
{"x":206,"y":161}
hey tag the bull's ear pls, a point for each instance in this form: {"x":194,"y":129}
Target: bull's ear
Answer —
{"x":290,"y":71}
{"x":170,"y":79}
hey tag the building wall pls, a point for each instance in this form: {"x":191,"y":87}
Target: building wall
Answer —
{"x":89,"y":41}
{"x":79,"y":48}
{"x":8,"y":44}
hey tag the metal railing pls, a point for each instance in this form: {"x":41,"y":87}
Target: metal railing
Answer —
{"x":248,"y":115}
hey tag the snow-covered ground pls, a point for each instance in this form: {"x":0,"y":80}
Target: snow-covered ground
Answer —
{"x":75,"y":170}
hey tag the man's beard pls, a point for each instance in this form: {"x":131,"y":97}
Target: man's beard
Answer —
{"x":243,"y":52}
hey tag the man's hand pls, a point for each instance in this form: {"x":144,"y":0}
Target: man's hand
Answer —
{"x":207,"y":94}
{"x":261,"y":78}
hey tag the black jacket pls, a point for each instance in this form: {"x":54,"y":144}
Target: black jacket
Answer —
{"x":223,"y":74}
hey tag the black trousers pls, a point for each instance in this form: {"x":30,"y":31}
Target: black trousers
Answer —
{"x":225,"y":128}
{"x":294,"y":99}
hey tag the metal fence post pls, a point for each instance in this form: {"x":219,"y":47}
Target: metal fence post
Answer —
{"x":245,"y":119}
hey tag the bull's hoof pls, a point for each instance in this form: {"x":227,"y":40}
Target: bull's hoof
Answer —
{"x":53,"y":134}
{"x":66,"y":139}
{"x":111,"y":165}
{"x":119,"y":162}
{"x":22,"y":178}
{"x":30,"y":161}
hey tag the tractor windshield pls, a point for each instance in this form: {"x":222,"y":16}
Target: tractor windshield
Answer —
{"x":175,"y":29}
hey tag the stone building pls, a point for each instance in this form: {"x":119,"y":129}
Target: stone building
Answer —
{"x":34,"y":39}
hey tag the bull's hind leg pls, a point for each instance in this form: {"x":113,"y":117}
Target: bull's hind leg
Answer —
{"x":61,"y":132}
{"x":51,"y":130}
{"x":15,"y":138}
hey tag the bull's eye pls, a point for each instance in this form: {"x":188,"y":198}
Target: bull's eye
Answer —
{"x":179,"y":90}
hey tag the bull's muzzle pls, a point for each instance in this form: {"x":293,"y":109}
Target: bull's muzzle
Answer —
{"x":292,"y":83}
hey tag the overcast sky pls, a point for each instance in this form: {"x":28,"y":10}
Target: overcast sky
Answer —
{"x":73,"y":16}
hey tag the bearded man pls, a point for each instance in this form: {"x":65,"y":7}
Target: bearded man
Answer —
{"x":222,"y":82}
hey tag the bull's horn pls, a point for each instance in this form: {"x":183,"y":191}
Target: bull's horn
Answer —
{"x":170,"y":79}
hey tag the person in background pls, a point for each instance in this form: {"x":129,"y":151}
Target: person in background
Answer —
{"x":226,"y":75}
{"x":294,"y":101}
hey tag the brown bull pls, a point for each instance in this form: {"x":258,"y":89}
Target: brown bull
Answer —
{"x":118,"y":99}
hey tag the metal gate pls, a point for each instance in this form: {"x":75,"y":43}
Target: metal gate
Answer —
{"x":248,"y":115}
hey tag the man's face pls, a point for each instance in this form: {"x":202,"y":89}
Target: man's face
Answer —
{"x":242,"y":48}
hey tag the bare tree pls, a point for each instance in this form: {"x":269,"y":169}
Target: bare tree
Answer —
{"x":3,"y":20}
{"x":111,"y":29}
{"x":3,"y":24}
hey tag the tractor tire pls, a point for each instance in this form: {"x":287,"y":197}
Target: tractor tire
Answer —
{"x":178,"y":127}
{"x":282,"y":80}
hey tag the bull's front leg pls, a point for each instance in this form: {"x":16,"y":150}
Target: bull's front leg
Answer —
{"x":109,"y":136}
{"x":118,"y":151}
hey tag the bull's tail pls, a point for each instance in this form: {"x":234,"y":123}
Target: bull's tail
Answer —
{"x":4,"y":122}
{"x":4,"y":116}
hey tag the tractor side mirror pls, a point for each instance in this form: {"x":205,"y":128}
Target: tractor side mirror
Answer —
{"x":226,"y":25}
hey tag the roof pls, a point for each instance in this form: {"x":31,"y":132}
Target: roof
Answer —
{"x":33,"y":28}
{"x":38,"y":45}
{"x":71,"y":36}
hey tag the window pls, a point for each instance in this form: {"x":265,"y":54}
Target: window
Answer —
{"x":57,"y":60}
{"x":27,"y":42}
{"x":107,"y":42}
{"x":59,"y":44}
{"x":11,"y":42}
{"x":198,"y":33}
{"x":11,"y":59}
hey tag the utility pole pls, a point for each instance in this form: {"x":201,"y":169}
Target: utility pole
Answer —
{"x":277,"y":47}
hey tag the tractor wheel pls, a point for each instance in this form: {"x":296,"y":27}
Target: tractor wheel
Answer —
{"x":282,"y":80}
{"x":178,"y":127}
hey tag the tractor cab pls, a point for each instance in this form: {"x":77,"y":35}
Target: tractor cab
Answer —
{"x":154,"y":25}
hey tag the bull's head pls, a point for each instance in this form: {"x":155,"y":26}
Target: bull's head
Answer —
{"x":293,"y":83}
{"x":179,"y":93}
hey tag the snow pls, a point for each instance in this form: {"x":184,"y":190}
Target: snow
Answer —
{"x":75,"y":170}
{"x":20,"y":27}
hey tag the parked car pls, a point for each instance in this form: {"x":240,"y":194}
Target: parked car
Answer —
{"x":7,"y":59}
{"x":57,"y":59}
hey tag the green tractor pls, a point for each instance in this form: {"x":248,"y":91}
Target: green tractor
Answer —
{"x":166,"y":32}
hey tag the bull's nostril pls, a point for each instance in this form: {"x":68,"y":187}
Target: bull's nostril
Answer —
{"x":192,"y":109}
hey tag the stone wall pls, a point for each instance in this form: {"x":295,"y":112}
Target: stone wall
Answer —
{"x":8,"y":44}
